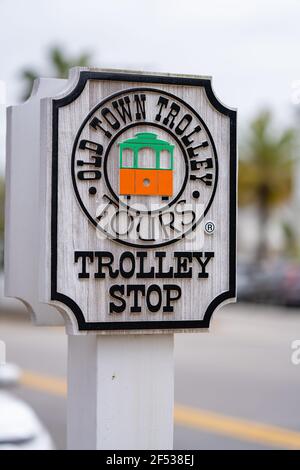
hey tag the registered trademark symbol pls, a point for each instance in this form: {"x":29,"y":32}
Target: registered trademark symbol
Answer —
{"x":209,"y":227}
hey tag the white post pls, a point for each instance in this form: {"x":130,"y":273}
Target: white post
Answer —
{"x":120,"y":392}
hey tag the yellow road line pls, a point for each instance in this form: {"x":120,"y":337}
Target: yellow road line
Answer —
{"x":44,"y":383}
{"x":191,"y":417}
{"x":238,"y":428}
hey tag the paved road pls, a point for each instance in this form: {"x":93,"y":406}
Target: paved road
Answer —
{"x":226,"y":382}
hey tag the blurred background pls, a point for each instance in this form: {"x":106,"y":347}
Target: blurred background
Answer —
{"x":237,"y":387}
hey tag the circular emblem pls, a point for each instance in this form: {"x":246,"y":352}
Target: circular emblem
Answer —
{"x":144,"y":167}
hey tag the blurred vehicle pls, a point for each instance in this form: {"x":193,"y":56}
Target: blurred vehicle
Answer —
{"x":245,"y":282}
{"x":20,"y":428}
{"x":290,"y":289}
{"x":274,"y":283}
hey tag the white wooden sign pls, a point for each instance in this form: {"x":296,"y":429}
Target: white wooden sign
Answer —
{"x":22,"y":231}
{"x":138,"y":194}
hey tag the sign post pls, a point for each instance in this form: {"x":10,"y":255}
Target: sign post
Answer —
{"x":137,"y":202}
{"x":120,"y":392}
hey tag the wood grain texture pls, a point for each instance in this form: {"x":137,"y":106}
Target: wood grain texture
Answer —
{"x":117,"y":400}
{"x":76,"y":232}
{"x":22,"y":180}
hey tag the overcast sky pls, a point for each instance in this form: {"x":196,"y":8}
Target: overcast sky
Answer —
{"x":250,"y":48}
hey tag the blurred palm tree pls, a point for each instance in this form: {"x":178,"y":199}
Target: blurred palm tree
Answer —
{"x":60,"y":64}
{"x":266,"y":171}
{"x":292,"y":248}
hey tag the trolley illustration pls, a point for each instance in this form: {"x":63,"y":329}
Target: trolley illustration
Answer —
{"x":144,"y":170}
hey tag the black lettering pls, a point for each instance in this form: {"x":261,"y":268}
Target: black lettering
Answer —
{"x":89,"y":175}
{"x":191,"y":150}
{"x":90,"y":145}
{"x":161,"y":274}
{"x":173,"y":113}
{"x":101,"y":255}
{"x":84,"y":256}
{"x":196,"y":165}
{"x":207,"y":255}
{"x":186,"y":118}
{"x":182,"y":264}
{"x":136,"y":308}
{"x":163,"y":102}
{"x":140,"y":106}
{"x":94,"y":147}
{"x":154,"y":307}
{"x":96,"y":124}
{"x":96,"y":163}
{"x":124,"y":112}
{"x":113,"y":308}
{"x":110,"y":118}
{"x":127,"y":255}
{"x":169,"y":288}
{"x":206,"y":179}
{"x":186,"y":139}
{"x":141,"y":273}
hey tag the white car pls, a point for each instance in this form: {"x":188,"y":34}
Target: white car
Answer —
{"x":20,"y":428}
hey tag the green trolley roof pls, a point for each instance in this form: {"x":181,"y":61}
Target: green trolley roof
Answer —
{"x":146,"y":139}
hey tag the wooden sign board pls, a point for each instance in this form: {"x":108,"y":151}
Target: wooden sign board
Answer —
{"x":22,"y":234}
{"x":138,"y":195}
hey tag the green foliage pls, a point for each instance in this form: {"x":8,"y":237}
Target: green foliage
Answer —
{"x":266,"y":169}
{"x":60,"y":64}
{"x":266,"y":165}
{"x":292,"y":248}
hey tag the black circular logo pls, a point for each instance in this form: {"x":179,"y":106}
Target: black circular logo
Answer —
{"x":144,"y":167}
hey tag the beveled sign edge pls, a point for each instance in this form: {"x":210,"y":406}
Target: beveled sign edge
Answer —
{"x":83,"y":75}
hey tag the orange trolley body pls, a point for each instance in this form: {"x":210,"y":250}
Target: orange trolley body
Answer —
{"x":155,"y":181}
